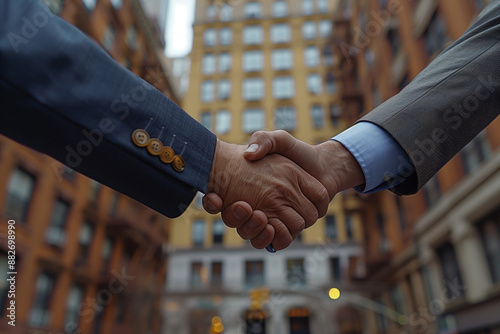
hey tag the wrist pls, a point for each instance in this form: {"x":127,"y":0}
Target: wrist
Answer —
{"x":219,"y":174}
{"x":342,"y":170}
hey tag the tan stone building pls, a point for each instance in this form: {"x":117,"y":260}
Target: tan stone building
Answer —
{"x":88,"y":260}
{"x":263,"y":65}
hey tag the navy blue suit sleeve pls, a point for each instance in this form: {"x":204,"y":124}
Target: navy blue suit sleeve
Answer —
{"x":64,"y":96}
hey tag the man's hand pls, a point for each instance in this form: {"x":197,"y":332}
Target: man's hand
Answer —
{"x":285,"y":197}
{"x":330,"y":162}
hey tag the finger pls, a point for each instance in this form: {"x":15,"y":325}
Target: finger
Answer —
{"x":212,"y":203}
{"x":286,"y":227}
{"x":237,"y":214}
{"x":319,"y":197}
{"x":264,"y":238}
{"x":300,"y":203}
{"x":253,"y":226}
{"x":263,"y":143}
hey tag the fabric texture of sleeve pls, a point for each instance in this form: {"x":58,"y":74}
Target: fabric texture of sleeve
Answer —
{"x":383,"y":161}
{"x":64,"y":96}
{"x":448,"y":103}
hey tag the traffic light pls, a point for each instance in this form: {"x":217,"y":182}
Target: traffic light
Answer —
{"x":217,"y":326}
{"x":258,"y":297}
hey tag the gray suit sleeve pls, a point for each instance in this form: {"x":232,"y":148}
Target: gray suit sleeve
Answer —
{"x":63,"y":96}
{"x":448,"y":103}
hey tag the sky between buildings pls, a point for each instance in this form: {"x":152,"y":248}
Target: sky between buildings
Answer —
{"x":179,"y":32}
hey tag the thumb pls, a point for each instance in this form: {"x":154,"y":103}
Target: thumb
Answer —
{"x":263,"y":143}
{"x":212,"y":203}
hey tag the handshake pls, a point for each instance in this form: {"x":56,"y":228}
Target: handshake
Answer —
{"x":277,"y":186}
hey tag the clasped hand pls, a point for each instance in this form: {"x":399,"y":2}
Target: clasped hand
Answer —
{"x":272,"y":199}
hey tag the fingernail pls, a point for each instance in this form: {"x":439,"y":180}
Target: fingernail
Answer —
{"x":271,"y":249}
{"x":210,"y":206}
{"x":252,"y":148}
{"x":240,"y":213}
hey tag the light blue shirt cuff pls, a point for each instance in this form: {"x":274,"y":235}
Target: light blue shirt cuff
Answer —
{"x":381,"y":158}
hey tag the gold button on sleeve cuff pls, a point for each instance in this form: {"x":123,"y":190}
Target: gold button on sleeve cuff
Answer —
{"x":140,"y":137}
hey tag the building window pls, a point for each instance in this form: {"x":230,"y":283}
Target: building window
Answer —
{"x":225,"y":62}
{"x":331,"y":228}
{"x":84,"y":242}
{"x":369,"y":58}
{"x":282,"y":59}
{"x":382,"y":323}
{"x":226,"y":13}
{"x":475,"y":152}
{"x":223,"y":122}
{"x":226,"y":36}
{"x":335,"y":271}
{"x":210,"y":37}
{"x":74,"y":305}
{"x":331,"y":84}
{"x":335,"y":114}
{"x":55,"y":234}
{"x":283,"y":88}
{"x":376,"y":96}
{"x":106,"y":252}
{"x":328,"y":58}
{"x":216,"y":280}
{"x":314,"y":85}
{"x":108,"y":40}
{"x":349,"y":227}
{"x":254,"y":274}
{"x":252,"y":10}
{"x":40,"y":313}
{"x":95,"y":188}
{"x":435,"y":35}
{"x":432,"y":191}
{"x":325,"y":28}
{"x":211,"y":13}
{"x":132,"y":40}
{"x":280,"y":8}
{"x":317,"y":116}
{"x":307,"y":7}
{"x":311,"y":56}
{"x":253,"y":89}
{"x":4,"y":285}
{"x":253,"y":120}
{"x":323,"y":6}
{"x":489,"y":229}
{"x":285,"y":118}
{"x":198,"y":232}
{"x":252,"y":35}
{"x":398,"y":300}
{"x":89,"y":4}
{"x":224,"y":89}
{"x":451,"y":271}
{"x":309,"y":30}
{"x":55,"y":6}
{"x":253,"y":61}
{"x":295,"y":272}
{"x":280,"y":33}
{"x":218,"y":232}
{"x":401,"y":213}
{"x":480,"y":4}
{"x":206,"y":119}
{"x":207,"y":91}
{"x":394,"y":40}
{"x":208,"y":64}
{"x":197,"y":272}
{"x":19,"y":194}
